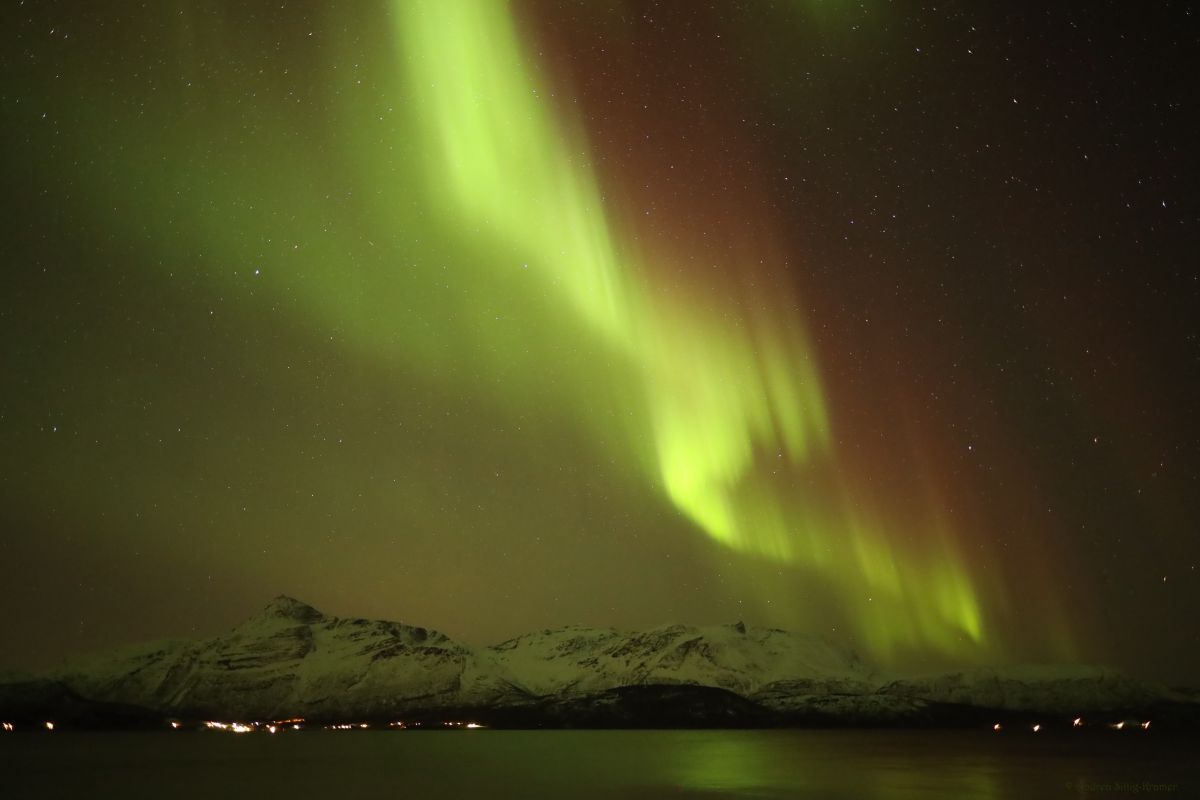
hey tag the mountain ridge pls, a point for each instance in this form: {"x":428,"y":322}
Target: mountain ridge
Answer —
{"x":289,"y":659}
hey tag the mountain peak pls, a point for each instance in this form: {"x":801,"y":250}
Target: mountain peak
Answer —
{"x":284,"y":607}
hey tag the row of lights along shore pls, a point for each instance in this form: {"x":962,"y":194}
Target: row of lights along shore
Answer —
{"x":1078,"y":723}
{"x":298,"y":723}
{"x":295,"y":724}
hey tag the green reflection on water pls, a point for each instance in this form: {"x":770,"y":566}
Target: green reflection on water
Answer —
{"x":831,"y":764}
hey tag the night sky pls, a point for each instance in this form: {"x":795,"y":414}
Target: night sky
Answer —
{"x":874,"y":319}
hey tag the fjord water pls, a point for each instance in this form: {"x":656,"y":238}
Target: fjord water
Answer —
{"x":856,"y":765}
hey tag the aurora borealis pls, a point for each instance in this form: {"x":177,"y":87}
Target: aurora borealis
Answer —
{"x":854,"y":318}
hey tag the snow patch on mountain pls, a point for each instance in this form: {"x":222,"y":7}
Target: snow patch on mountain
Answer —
{"x":577,"y":660}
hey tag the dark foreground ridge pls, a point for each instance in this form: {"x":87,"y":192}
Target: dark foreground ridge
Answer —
{"x":291,"y":662}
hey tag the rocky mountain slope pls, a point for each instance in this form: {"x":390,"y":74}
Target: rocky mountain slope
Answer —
{"x":291,"y":660}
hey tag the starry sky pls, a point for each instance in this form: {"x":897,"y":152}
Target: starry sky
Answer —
{"x":875,"y":319}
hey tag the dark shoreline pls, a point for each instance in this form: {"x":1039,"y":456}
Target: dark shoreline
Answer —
{"x":29,"y":706}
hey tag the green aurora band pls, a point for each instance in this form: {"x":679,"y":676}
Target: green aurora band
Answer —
{"x":721,"y":391}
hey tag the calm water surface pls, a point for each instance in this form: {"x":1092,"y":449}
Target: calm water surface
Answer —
{"x":856,"y":765}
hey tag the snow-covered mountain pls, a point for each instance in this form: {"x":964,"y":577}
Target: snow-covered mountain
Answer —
{"x":742,"y":660}
{"x":291,"y":660}
{"x":287,"y":659}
